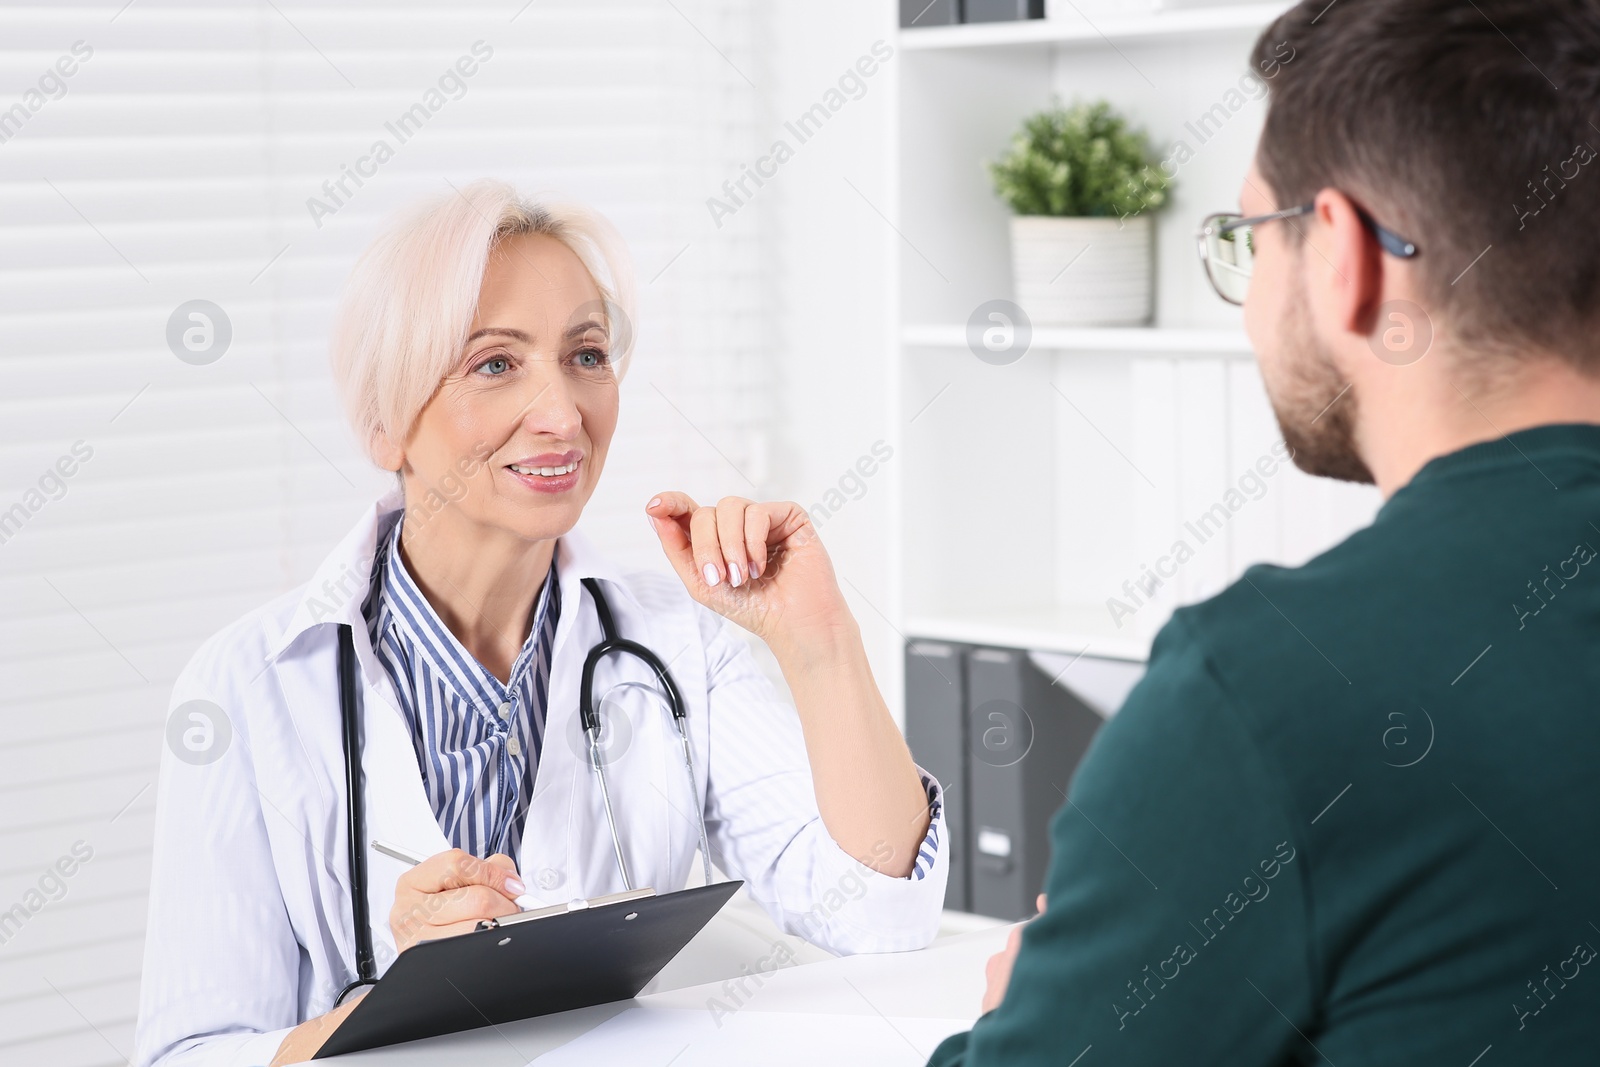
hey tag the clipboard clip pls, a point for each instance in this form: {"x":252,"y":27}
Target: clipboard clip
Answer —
{"x":578,"y":904}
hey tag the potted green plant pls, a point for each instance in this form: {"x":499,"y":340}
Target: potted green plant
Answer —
{"x":1083,"y":185}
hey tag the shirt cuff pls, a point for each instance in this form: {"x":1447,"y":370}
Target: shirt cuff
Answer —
{"x":928,"y":851}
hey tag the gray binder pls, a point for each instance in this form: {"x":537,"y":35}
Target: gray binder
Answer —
{"x":929,"y":13}
{"x":936,"y":733}
{"x":1001,"y":10}
{"x":1025,"y":740}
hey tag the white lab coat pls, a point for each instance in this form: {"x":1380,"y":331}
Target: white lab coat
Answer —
{"x":250,"y":924}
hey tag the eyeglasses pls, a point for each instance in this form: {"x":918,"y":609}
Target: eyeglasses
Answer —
{"x":1228,"y":250}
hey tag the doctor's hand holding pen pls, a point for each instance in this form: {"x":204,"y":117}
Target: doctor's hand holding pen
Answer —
{"x":440,"y":896}
{"x":448,"y":893}
{"x":762,"y":565}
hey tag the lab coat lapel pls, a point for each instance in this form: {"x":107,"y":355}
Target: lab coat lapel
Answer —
{"x":396,"y":808}
{"x":546,"y":860}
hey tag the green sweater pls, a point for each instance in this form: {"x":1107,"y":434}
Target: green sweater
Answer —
{"x":1351,"y":814}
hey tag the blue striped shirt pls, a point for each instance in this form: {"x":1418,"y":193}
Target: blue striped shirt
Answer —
{"x":477,"y":741}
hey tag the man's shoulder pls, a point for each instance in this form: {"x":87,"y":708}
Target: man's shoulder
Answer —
{"x":1290,"y":652}
{"x":1273,"y":608}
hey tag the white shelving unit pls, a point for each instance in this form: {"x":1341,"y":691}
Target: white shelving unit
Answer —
{"x":1028,"y":496}
{"x":1074,"y":26}
{"x":1176,"y":342}
{"x":1067,"y":628}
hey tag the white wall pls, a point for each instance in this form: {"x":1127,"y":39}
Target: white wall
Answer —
{"x":833,"y":298}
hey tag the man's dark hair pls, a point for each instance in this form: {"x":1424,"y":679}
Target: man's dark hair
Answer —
{"x":1460,"y":124}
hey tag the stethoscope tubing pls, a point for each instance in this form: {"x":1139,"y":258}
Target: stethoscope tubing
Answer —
{"x":589,"y":714}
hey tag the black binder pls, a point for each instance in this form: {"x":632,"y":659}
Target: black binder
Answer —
{"x":535,"y":963}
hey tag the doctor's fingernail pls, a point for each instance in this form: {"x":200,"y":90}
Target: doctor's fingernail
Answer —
{"x":652,"y":503}
{"x":735,"y":575}
{"x":712,"y":577}
{"x":515,"y":886}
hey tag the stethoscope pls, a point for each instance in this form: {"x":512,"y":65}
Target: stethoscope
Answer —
{"x":589,"y":715}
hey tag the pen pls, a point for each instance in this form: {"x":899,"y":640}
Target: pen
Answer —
{"x":402,"y":854}
{"x":405,"y":855}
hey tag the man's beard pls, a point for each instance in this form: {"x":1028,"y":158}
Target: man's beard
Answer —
{"x":1315,"y":412}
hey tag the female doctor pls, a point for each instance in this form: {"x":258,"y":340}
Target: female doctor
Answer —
{"x":478,"y":350}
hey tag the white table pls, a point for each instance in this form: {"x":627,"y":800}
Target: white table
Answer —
{"x":795,"y":1006}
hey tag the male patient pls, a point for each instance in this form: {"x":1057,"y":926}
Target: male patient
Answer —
{"x":1352,"y":813}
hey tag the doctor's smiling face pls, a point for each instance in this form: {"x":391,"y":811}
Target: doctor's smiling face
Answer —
{"x":528,"y":409}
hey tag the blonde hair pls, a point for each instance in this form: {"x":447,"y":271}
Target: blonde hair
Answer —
{"x":409,"y":301}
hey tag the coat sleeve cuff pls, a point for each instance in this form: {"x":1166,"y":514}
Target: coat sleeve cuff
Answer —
{"x":892,"y":914}
{"x":221,"y":1050}
{"x":258,"y":1050}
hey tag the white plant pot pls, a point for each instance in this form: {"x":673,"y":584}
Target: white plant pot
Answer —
{"x":1082,"y":272}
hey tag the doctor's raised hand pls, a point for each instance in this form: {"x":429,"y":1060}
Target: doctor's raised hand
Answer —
{"x":722,"y":551}
{"x":437,"y":663}
{"x":763,"y":566}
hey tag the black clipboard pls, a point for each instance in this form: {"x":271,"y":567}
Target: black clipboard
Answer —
{"x":535,"y":963}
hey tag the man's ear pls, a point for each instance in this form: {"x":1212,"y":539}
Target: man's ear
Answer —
{"x":1351,"y":264}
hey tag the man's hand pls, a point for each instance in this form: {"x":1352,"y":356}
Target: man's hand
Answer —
{"x":998,"y":970}
{"x":449,"y":893}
